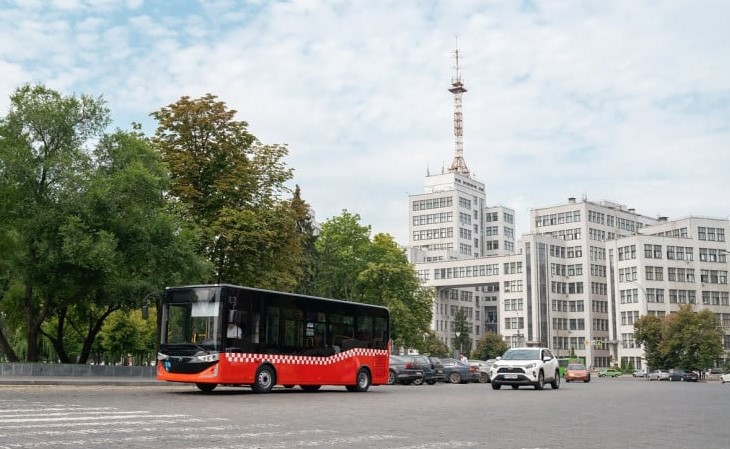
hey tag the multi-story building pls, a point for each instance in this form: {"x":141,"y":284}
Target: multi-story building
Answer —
{"x":663,"y":267}
{"x":576,"y":282}
{"x":584,"y":274}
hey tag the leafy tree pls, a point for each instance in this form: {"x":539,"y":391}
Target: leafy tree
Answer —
{"x":389,"y":279}
{"x":691,"y":339}
{"x":648,"y":332}
{"x":42,"y":141}
{"x":343,"y":247}
{"x":433,"y":345}
{"x":462,"y":332}
{"x":230,"y":185}
{"x":126,"y":333}
{"x":686,"y":339}
{"x":490,"y":346}
{"x":354,"y":268}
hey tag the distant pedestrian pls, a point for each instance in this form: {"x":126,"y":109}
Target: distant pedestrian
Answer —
{"x":463,"y":359}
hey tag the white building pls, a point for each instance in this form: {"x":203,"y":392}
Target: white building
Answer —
{"x":576,"y":282}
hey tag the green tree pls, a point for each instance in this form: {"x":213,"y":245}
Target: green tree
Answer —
{"x":434,"y":345}
{"x":42,"y":141}
{"x":462,"y":332}
{"x":352,"y":267}
{"x":342,"y":245}
{"x":691,"y":340}
{"x":648,"y":332}
{"x":230,"y":185}
{"x":389,"y":279}
{"x":489,"y":346}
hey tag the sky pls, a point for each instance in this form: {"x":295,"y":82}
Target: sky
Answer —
{"x":626,"y":100}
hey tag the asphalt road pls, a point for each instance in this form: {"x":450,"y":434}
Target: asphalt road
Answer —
{"x":605,"y":413}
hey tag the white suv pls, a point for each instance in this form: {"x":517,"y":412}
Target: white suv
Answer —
{"x":526,"y":366}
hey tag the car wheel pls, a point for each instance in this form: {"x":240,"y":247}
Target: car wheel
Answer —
{"x":514,"y":387}
{"x":555,"y":384}
{"x":567,"y":381}
{"x":431,"y":382}
{"x":392,"y":379}
{"x":455,"y":378}
{"x":418,"y":381}
{"x":483,"y":378}
{"x":496,"y":385}
{"x":540,"y":384}
{"x":206,"y":388}
{"x":265,"y":380}
{"x":588,"y":379}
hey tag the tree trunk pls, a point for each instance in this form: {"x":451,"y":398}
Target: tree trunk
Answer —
{"x":7,"y":349}
{"x":93,"y":332}
{"x":57,"y":340}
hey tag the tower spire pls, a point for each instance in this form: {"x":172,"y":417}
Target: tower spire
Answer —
{"x":457,"y":88}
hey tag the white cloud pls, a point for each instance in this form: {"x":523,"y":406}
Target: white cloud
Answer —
{"x":623,"y":100}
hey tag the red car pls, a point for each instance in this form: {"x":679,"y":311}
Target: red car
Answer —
{"x":577,"y":372}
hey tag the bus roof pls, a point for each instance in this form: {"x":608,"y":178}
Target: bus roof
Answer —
{"x":261,"y":290}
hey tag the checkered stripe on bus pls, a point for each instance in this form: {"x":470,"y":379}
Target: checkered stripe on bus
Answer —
{"x":303,"y":359}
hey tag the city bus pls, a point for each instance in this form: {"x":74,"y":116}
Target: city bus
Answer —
{"x":230,"y":335}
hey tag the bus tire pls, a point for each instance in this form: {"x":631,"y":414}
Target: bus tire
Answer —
{"x":206,"y":388}
{"x":310,"y":388}
{"x":362,"y":381}
{"x":265,"y":379}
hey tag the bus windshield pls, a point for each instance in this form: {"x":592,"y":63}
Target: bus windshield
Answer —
{"x":193,"y":318}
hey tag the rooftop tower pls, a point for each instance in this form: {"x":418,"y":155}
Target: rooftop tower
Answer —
{"x":457,"y":88}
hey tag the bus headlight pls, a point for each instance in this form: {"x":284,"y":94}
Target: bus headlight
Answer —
{"x":209,"y":357}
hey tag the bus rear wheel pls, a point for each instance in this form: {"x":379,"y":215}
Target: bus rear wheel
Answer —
{"x":265,"y":380}
{"x":363,"y":381}
{"x":206,"y":388}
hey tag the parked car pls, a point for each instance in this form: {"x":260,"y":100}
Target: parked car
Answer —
{"x":610,"y":373}
{"x":432,"y":367}
{"x":482,"y":369}
{"x":639,"y":373}
{"x":658,"y":374}
{"x":690,"y":376}
{"x":715,"y":370}
{"x":458,"y":372}
{"x":724,"y":378}
{"x":403,"y":370}
{"x":577,"y":371}
{"x":676,"y":375}
{"x":526,"y":366}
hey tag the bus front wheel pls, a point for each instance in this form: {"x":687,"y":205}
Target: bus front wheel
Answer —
{"x":363,"y":381}
{"x":265,"y":380}
{"x":206,"y":388}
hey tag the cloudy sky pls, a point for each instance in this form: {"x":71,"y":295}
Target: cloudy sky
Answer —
{"x":625,"y":100}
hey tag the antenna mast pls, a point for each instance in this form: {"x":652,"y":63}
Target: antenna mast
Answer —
{"x":457,"y":88}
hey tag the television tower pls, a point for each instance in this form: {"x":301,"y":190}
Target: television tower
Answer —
{"x":457,"y":88}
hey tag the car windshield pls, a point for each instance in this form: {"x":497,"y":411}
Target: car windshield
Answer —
{"x":576,"y":366}
{"x":521,"y":354}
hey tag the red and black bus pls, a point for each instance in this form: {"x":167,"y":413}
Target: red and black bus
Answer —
{"x":214,"y":335}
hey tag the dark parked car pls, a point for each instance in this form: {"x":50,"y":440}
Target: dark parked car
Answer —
{"x":459,"y":373}
{"x":690,"y":376}
{"x":403,"y":370}
{"x":433,"y":369}
{"x":676,"y":374}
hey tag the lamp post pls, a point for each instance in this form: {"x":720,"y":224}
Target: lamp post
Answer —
{"x":461,"y":344}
